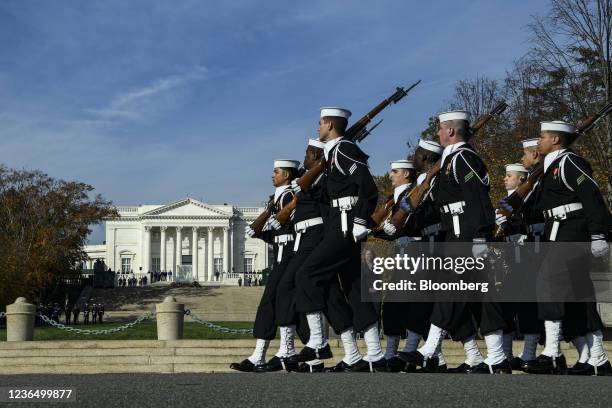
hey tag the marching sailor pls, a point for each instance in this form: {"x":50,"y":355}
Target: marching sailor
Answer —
{"x":574,"y":212}
{"x":281,"y":237}
{"x":352,"y":195}
{"x":462,"y":197}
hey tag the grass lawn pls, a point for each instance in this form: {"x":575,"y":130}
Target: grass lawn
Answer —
{"x":142,"y":331}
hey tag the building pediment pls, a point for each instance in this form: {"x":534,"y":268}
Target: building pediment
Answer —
{"x":188,"y":207}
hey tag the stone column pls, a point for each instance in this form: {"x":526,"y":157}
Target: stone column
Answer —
{"x":231,"y":246}
{"x":225,"y":250}
{"x":20,"y":320}
{"x":194,"y":253}
{"x":170,"y":316}
{"x":146,"y":256}
{"x":210,"y":263}
{"x":162,"y":249}
{"x":179,"y":249}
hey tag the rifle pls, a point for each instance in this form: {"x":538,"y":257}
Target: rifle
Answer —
{"x":383,"y":211}
{"x":417,"y":194}
{"x":357,"y":132}
{"x":515,"y":200}
{"x":260,"y":221}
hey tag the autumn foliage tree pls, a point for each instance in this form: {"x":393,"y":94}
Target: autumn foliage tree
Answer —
{"x":44,"y":224}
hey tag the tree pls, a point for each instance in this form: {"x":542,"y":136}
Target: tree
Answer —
{"x":44,"y":223}
{"x":571,"y":46}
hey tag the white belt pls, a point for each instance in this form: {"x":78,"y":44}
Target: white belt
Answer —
{"x":455,"y":209}
{"x":281,"y":241}
{"x":559,"y":214}
{"x":345,"y":204}
{"x":301,"y":227}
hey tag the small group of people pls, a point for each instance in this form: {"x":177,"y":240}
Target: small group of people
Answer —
{"x":131,"y":281}
{"x":250,"y":280}
{"x":92,"y":313}
{"x":158,"y":276}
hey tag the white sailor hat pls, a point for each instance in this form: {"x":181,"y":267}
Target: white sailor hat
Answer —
{"x":402,"y":164}
{"x":284,"y":163}
{"x":339,"y":112}
{"x":316,"y":143}
{"x":431,"y":146}
{"x":530,"y":142}
{"x":454,"y":115}
{"x":557,"y":126}
{"x":516,"y":167}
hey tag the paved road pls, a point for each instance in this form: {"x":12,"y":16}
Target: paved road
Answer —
{"x":313,"y":390}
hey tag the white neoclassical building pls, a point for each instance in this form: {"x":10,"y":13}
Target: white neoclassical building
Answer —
{"x":190,"y":239}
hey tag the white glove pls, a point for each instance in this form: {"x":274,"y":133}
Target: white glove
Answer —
{"x":599,"y":246}
{"x":273,"y":223}
{"x":295,"y":186}
{"x":249,"y":232}
{"x":500,"y":219}
{"x":359,"y":232}
{"x":480,"y":248}
{"x":389,"y":228}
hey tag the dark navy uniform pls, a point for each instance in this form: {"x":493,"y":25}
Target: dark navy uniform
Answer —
{"x":352,"y":195}
{"x":395,"y":315}
{"x":574,"y":212}
{"x":466,"y":213}
{"x":281,"y":240}
{"x":309,"y":230}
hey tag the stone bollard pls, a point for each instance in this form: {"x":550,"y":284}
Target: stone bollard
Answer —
{"x":20,"y":321}
{"x":170,"y":316}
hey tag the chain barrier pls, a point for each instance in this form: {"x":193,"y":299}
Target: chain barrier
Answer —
{"x":216,"y":327}
{"x":89,"y":332}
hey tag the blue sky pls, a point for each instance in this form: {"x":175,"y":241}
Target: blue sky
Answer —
{"x":151,"y":101}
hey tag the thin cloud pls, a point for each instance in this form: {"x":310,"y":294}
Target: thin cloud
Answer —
{"x":130,"y":105}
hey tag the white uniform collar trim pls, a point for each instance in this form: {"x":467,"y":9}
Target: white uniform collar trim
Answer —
{"x":551,"y":157}
{"x":279,"y":191}
{"x":399,"y":190}
{"x":450,"y":149}
{"x":510,"y":191}
{"x":329,"y":145}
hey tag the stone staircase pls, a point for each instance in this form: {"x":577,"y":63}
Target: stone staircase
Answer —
{"x":179,"y":356}
{"x":215,"y":303}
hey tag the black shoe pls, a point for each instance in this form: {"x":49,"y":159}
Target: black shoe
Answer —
{"x":517,"y":363}
{"x":396,"y":364}
{"x":360,"y":366}
{"x":308,"y":368}
{"x":417,"y":359}
{"x":581,"y":369}
{"x":431,"y":369}
{"x":587,"y":369}
{"x":245,"y":366}
{"x":464,"y":368}
{"x":604,"y":370}
{"x":484,"y":368}
{"x":546,"y":365}
{"x":379,"y":366}
{"x":309,"y":354}
{"x":276,"y":364}
{"x":341,"y":367}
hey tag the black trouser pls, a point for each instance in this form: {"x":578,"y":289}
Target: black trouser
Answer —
{"x":335,"y":257}
{"x":337,"y":310}
{"x":461,"y":318}
{"x":565,"y":275}
{"x":397,"y":317}
{"x":265,"y":319}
